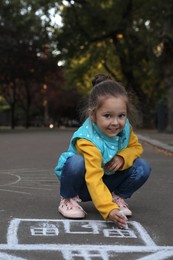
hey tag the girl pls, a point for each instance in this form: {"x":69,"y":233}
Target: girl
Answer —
{"x":103,"y":161}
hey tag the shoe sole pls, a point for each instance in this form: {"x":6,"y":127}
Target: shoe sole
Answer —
{"x":129,"y":216}
{"x":71,"y":217}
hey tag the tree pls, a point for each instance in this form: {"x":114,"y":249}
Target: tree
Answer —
{"x":62,"y":104}
{"x":164,"y":44}
{"x":25,"y":49}
{"x":108,"y":36}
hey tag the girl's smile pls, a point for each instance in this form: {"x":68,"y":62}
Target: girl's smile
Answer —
{"x":111,"y":116}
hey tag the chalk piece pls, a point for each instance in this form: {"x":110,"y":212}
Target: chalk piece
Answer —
{"x":126,"y":225}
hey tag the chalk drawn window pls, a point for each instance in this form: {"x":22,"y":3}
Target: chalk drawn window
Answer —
{"x":85,"y":254}
{"x":120,"y":233}
{"x":44,"y":231}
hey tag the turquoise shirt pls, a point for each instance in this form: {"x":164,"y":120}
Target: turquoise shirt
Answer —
{"x":108,"y":146}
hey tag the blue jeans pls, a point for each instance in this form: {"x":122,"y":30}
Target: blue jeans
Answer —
{"x":123,"y":183}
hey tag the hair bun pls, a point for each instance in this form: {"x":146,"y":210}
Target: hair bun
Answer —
{"x":99,"y":78}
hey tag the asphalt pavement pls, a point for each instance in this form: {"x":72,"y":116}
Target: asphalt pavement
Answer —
{"x":31,"y":227}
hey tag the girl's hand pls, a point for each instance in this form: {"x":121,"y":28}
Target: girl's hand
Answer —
{"x":116,"y":216}
{"x":115,"y":164}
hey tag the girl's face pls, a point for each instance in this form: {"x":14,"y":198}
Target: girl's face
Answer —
{"x":111,"y":116}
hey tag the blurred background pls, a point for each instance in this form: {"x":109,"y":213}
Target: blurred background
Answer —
{"x":51,"y":50}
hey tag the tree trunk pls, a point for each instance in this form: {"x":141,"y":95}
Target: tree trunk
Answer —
{"x":13,"y":106}
{"x":169,"y":86}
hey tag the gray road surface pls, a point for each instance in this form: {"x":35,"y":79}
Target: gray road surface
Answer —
{"x":32,"y":229}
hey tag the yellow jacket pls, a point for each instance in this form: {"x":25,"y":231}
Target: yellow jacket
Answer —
{"x":99,"y":192}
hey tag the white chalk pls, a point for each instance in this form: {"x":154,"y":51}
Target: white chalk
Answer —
{"x":126,"y":225}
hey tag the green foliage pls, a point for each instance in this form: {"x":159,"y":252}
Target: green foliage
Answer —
{"x":131,"y":40}
{"x":3,"y":104}
{"x":26,"y":55}
{"x":126,"y":39}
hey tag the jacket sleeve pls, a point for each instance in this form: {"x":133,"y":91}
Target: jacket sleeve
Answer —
{"x":99,"y":192}
{"x":132,"y":151}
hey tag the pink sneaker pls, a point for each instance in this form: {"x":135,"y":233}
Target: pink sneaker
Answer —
{"x":122,"y":205}
{"x":70,"y":208}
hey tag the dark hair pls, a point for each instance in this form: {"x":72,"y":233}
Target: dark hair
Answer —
{"x":99,"y":78}
{"x":104,"y":86}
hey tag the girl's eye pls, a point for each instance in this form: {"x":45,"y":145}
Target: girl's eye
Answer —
{"x":122,"y":115}
{"x":107,"y":115}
